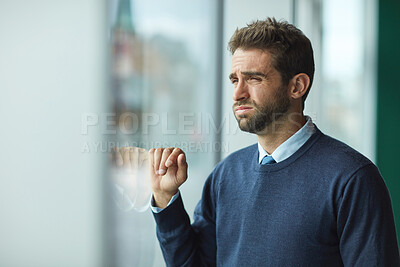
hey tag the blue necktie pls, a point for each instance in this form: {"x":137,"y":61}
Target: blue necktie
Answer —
{"x":267,"y":160}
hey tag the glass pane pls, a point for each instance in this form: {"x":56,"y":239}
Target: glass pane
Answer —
{"x":163,"y":57}
{"x":347,"y":83}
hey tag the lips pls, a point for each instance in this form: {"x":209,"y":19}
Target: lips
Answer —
{"x":240,"y":110}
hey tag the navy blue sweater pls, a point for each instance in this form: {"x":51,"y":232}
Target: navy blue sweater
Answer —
{"x":326,"y":205}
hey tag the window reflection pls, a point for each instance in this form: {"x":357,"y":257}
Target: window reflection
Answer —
{"x":162,"y":94}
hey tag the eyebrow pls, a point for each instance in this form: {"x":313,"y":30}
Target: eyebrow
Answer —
{"x":248,"y":73}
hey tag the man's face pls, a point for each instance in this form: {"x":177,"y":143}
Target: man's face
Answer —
{"x":259,"y":96}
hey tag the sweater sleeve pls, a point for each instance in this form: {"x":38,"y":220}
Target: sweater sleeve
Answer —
{"x":365,"y":221}
{"x":183,"y":244}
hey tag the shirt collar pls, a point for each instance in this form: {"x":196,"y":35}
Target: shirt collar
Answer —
{"x":291,"y":145}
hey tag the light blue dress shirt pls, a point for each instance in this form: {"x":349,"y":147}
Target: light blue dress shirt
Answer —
{"x":282,"y":152}
{"x":291,"y":145}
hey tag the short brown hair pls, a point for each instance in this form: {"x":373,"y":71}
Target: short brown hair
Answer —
{"x":291,"y":50}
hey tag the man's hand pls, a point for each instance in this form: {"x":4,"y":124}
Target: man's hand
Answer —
{"x":168,"y":170}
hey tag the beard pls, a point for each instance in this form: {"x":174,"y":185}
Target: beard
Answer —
{"x":264,"y":114}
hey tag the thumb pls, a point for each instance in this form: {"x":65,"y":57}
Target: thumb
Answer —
{"x":181,"y":173}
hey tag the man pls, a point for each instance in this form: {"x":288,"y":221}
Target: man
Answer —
{"x":297,"y":198}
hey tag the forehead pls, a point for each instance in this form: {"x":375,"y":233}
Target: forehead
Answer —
{"x":251,"y":60}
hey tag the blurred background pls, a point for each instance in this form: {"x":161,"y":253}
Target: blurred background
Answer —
{"x":78,"y":78}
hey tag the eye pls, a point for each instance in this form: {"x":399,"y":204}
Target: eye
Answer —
{"x":234,"y":80}
{"x":255,"y":78}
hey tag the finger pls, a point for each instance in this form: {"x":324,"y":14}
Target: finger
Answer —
{"x":151,"y":157}
{"x":172,"y":159}
{"x":181,"y":174}
{"x":143,"y":152}
{"x":157,"y":159}
{"x":118,"y":157}
{"x":163,"y":169}
{"x":138,"y":156}
{"x":134,"y":157}
{"x":143,"y":156}
{"x":126,"y":158}
{"x":111,"y":156}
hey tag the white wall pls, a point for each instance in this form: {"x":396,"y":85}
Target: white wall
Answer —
{"x":52,"y":71}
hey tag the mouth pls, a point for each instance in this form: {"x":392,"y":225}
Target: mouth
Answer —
{"x":241,"y":110}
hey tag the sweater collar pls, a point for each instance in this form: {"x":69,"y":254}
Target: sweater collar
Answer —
{"x":292,"y":158}
{"x":291,"y":145}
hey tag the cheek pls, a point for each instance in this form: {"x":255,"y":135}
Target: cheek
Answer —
{"x":261,"y":95}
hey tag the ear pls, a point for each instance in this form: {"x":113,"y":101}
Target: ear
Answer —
{"x":299,"y":85}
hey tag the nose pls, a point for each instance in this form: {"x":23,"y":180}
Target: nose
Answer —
{"x":241,"y":91}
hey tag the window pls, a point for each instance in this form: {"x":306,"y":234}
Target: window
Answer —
{"x":163,"y":87}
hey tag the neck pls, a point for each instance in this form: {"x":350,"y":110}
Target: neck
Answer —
{"x":280,"y":130}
